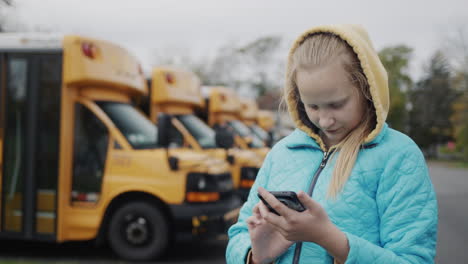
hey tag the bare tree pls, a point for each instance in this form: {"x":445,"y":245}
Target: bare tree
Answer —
{"x":252,"y":69}
{"x":5,"y":5}
{"x":260,"y":58}
{"x":456,"y":47}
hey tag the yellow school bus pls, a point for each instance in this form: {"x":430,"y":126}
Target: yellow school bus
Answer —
{"x":267,"y":121}
{"x":249,"y":115}
{"x":223,"y":108}
{"x":176,"y":92}
{"x":79,"y":162}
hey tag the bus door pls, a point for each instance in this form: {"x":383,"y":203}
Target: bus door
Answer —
{"x":30,"y":92}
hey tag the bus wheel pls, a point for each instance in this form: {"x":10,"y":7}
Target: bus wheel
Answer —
{"x":138,"y":231}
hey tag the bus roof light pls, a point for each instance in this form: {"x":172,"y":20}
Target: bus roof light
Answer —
{"x":170,"y":78}
{"x":89,"y":50}
{"x":140,"y":70}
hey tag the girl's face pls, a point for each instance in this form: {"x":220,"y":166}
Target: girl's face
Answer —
{"x":331,"y":101}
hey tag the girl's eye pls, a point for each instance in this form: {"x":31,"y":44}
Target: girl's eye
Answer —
{"x":313,"y":107}
{"x":336,"y":106}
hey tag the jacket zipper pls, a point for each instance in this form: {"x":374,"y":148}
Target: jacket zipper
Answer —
{"x":326,"y":155}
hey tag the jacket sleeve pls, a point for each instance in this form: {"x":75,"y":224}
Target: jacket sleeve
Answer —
{"x":407,"y":208}
{"x":239,"y":238}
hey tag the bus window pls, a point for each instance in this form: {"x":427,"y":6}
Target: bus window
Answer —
{"x":90,"y":153}
{"x":137,"y":129}
{"x":47,"y":140}
{"x":15,"y":136}
{"x":244,"y":131}
{"x":259,"y":132}
{"x":203,"y":133}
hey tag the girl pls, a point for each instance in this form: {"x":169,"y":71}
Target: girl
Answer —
{"x":369,"y":196}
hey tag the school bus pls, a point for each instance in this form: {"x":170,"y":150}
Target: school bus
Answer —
{"x":223,"y":108}
{"x":249,"y":115}
{"x":267,"y":121}
{"x":79,"y":162}
{"x":176,"y":92}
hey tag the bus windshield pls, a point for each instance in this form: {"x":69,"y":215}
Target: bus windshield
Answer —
{"x":139,"y":131}
{"x":244,"y":131}
{"x":259,"y":132}
{"x":204,"y":134}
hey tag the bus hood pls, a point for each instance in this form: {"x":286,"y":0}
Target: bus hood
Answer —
{"x":246,"y":158}
{"x":198,"y":162}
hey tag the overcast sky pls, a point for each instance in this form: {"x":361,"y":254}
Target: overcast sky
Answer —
{"x":200,"y":27}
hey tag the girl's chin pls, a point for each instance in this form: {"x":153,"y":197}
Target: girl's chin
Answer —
{"x":333,"y":139}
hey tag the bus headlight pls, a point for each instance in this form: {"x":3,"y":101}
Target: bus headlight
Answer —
{"x":201,"y":183}
{"x":203,"y":187}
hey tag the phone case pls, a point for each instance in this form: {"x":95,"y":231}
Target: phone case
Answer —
{"x":288,"y":198}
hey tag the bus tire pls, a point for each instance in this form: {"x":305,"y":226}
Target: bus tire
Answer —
{"x":138,"y":231}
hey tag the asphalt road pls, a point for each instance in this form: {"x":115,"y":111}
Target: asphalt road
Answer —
{"x":196,"y":252}
{"x":452,"y":196}
{"x":452,"y":193}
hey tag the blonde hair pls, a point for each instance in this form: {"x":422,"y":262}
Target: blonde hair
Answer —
{"x":319,"y":49}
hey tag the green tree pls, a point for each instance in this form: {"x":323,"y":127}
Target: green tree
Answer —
{"x":396,"y":61}
{"x":432,"y":99}
{"x":457,"y":48}
{"x":459,"y":120}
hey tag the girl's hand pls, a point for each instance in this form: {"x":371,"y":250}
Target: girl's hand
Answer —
{"x":267,"y":242}
{"x":311,"y":225}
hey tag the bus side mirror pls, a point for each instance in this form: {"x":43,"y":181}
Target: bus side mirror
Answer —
{"x":173,"y":163}
{"x":224,"y":138}
{"x":164,"y":125}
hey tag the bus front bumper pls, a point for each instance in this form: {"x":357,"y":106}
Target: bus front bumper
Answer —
{"x":205,"y":219}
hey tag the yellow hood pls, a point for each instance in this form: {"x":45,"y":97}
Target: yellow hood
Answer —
{"x":359,"y":40}
{"x":199,"y":162}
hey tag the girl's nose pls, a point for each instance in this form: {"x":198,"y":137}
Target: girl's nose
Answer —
{"x":326,"y":121}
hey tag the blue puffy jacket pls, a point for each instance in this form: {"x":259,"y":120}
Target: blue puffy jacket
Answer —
{"x":387,"y":209}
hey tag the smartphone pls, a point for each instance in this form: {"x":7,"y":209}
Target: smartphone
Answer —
{"x":288,"y":198}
